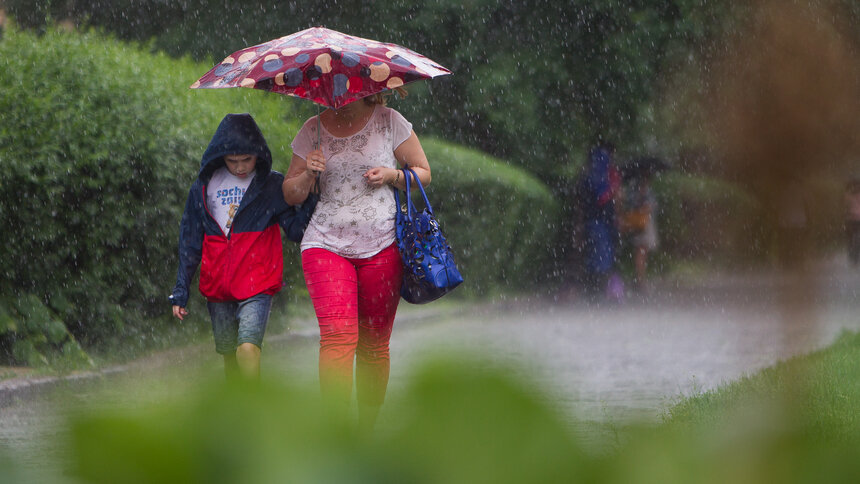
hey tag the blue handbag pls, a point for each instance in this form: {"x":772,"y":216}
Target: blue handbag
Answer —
{"x":429,"y":271}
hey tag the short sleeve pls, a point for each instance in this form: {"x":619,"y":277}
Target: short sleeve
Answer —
{"x":303,"y":142}
{"x":401,"y":129}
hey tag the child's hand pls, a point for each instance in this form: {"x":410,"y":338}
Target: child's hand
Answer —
{"x":180,"y":312}
{"x":379,"y":176}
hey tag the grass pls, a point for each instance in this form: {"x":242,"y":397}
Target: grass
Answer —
{"x":819,"y":392}
{"x":794,"y":422}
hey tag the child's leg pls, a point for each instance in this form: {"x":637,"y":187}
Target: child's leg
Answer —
{"x":379,"y":279}
{"x":333,"y":287}
{"x":248,"y":360}
{"x":253,"y":316}
{"x":224,"y":330}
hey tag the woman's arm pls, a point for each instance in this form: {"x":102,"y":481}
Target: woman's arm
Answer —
{"x":300,"y":177}
{"x":409,"y":152}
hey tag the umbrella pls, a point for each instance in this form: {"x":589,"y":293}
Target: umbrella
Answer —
{"x":329,"y":68}
{"x":643,"y":167}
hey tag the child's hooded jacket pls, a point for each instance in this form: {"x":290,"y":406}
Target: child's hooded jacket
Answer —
{"x":248,"y":260}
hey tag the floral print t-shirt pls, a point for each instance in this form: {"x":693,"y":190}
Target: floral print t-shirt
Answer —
{"x":352,"y":219}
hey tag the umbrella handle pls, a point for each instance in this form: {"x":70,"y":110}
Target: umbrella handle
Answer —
{"x":316,"y":187}
{"x":319,"y":129}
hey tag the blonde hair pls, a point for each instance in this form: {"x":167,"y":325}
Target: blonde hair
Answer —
{"x":382,"y":97}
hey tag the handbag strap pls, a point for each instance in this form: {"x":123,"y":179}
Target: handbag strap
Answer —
{"x":420,"y":188}
{"x":397,"y":197}
{"x":408,"y":174}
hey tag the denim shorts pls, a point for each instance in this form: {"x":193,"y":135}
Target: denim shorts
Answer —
{"x":237,"y":322}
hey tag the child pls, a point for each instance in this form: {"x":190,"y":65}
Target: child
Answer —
{"x":637,"y":221}
{"x":231,"y":222}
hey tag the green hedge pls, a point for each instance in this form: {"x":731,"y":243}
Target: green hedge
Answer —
{"x":99,"y":141}
{"x":500,"y":220}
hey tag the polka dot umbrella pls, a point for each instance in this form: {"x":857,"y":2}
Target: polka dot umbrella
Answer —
{"x":329,"y":68}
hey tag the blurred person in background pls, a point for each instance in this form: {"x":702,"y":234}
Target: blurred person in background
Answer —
{"x":638,"y":222}
{"x":596,"y":193}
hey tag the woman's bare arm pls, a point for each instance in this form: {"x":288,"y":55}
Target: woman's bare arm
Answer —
{"x":409,"y":152}
{"x":300,"y":177}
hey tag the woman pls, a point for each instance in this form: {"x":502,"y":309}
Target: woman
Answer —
{"x":349,"y":256}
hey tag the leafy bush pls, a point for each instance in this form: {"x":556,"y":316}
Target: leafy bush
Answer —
{"x":37,"y":335}
{"x":99,"y":142}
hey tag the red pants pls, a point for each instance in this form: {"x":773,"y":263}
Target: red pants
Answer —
{"x":355,"y":301}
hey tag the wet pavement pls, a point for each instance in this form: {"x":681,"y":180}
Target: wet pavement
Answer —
{"x":598,"y":364}
{"x":632,"y":360}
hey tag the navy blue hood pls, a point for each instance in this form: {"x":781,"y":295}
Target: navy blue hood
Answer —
{"x":237,"y":134}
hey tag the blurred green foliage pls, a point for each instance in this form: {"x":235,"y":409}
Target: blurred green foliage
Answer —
{"x":462,"y":420}
{"x":102,"y":139}
{"x":9,"y":471}
{"x":453,"y":425}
